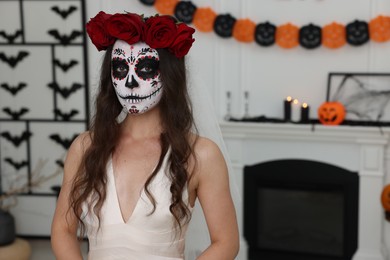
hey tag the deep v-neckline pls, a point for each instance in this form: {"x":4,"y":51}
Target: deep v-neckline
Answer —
{"x":122,"y":218}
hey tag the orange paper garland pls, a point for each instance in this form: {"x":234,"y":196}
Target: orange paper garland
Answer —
{"x":287,"y":35}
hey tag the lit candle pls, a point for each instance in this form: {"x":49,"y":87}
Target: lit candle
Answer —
{"x":295,"y":110}
{"x":287,"y":108}
{"x":305,"y":112}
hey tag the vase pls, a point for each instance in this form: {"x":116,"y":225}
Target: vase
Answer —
{"x":7,"y":228}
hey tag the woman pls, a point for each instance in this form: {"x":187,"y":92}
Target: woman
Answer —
{"x":132,"y":184}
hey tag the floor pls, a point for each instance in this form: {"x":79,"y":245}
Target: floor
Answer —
{"x":41,"y":249}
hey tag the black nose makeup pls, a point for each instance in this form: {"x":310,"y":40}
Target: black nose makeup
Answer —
{"x":131,"y":84}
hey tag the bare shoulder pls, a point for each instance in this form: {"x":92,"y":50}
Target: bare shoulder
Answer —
{"x":209,"y":157}
{"x":206,"y":149}
{"x":75,"y":153}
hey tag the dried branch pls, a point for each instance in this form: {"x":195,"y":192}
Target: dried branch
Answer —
{"x":36,"y":180}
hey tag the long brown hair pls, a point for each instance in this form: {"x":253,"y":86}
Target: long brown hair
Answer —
{"x":177,"y":122}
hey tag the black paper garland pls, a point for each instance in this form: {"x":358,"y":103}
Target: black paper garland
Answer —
{"x":310,"y":36}
{"x":184,"y":11}
{"x":223,"y":25}
{"x":265,"y":34}
{"x":148,"y":2}
{"x":357,"y":33}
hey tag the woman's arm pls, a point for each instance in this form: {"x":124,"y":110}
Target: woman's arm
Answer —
{"x":64,"y":240}
{"x":214,"y":196}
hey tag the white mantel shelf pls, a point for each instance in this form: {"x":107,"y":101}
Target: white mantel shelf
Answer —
{"x":357,"y":148}
{"x":307,"y":132}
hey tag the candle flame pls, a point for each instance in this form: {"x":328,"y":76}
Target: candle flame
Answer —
{"x":288,"y":98}
{"x":295,"y":101}
{"x":304,"y":105}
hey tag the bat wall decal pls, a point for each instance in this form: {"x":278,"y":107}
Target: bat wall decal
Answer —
{"x":64,"y":39}
{"x":64,"y":91}
{"x":11,"y":37}
{"x":66,"y":116}
{"x":13,"y":89}
{"x":13,"y":61}
{"x":65,"y":66}
{"x":64,"y":13}
{"x":16,"y":165}
{"x":60,"y":163}
{"x":15,"y":114}
{"x":16,"y":140}
{"x":64,"y":142}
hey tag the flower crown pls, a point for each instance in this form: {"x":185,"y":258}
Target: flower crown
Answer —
{"x":156,"y":31}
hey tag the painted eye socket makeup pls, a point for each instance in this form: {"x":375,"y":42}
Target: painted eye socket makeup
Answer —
{"x":147,"y":68}
{"x":120,"y":68}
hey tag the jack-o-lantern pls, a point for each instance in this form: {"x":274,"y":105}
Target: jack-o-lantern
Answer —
{"x":184,"y":11}
{"x":385,"y":198}
{"x":244,"y":30}
{"x":265,"y":34}
{"x":331,"y":113}
{"x":310,"y":36}
{"x":357,"y":33}
{"x":204,"y":19}
{"x":223,"y":25}
{"x":287,"y":36}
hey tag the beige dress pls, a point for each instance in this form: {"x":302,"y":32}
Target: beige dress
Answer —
{"x":142,"y":236}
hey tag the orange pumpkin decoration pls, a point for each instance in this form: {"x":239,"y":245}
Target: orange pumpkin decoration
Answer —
{"x":165,"y":6}
{"x":204,"y":19}
{"x":385,"y":198}
{"x":244,"y":30}
{"x":287,"y":36}
{"x":379,"y":29}
{"x":333,"y":35}
{"x":331,"y":113}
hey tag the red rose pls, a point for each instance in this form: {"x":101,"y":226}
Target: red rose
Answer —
{"x":97,"y":33}
{"x":127,"y":27}
{"x":183,"y":42}
{"x":160,"y":31}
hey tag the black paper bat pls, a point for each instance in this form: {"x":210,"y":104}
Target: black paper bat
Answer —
{"x":15,"y":114}
{"x":16,"y":140}
{"x":64,"y":13}
{"x":11,"y":37}
{"x":16,"y":165}
{"x":65,"y":143}
{"x":13,"y":90}
{"x":64,"y":91}
{"x":13,"y":61}
{"x":65,"y":66}
{"x":60,"y":163}
{"x":66,"y":116}
{"x":64,"y":39}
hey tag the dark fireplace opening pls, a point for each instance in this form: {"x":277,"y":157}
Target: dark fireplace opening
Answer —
{"x":299,"y":209}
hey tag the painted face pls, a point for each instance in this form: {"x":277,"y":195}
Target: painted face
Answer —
{"x":136,"y":76}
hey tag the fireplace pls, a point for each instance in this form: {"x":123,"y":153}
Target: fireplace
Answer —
{"x":361,"y":151}
{"x":300,"y":209}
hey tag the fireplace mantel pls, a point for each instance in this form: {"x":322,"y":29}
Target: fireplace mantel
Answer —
{"x":356,"y":148}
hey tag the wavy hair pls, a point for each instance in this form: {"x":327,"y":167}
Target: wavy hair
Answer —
{"x":177,"y":123}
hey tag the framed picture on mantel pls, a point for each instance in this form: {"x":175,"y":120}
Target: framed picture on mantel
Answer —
{"x":365,"y":96}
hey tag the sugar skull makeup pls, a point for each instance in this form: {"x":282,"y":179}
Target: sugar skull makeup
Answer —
{"x":135,"y":75}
